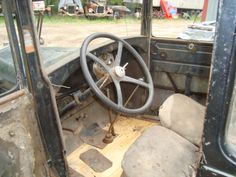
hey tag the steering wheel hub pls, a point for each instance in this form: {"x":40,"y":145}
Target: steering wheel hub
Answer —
{"x":119,"y":71}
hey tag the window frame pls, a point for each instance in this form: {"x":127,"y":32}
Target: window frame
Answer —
{"x":217,"y":159}
{"x":9,"y":15}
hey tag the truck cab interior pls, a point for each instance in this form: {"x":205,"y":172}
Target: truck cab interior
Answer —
{"x":135,"y":106}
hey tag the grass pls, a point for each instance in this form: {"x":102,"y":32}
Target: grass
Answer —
{"x":56,"y":19}
{"x":1,"y":20}
{"x":82,"y":20}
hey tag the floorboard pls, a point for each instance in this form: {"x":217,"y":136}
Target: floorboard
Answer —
{"x":128,"y":130}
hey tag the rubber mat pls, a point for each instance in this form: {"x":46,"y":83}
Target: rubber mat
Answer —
{"x":93,"y":135}
{"x":95,"y":160}
{"x":74,"y":173}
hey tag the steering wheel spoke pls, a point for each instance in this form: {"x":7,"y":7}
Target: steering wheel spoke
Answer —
{"x":97,"y":60}
{"x":119,"y":93}
{"x":119,"y":54}
{"x":102,"y":81}
{"x":135,"y":81}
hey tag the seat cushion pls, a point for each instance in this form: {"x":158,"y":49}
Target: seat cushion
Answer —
{"x":184,"y":116}
{"x":160,"y":152}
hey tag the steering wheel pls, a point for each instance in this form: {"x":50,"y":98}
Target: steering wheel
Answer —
{"x":116,"y":74}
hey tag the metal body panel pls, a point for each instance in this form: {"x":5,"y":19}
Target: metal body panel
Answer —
{"x":39,"y":86}
{"x":51,"y":56}
{"x":217,"y":160}
{"x":21,"y":149}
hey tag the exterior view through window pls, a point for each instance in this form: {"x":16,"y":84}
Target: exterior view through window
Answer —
{"x":182,"y":19}
{"x":7,"y":68}
{"x":65,"y":27}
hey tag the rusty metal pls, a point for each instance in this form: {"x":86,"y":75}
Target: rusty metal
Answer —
{"x":11,"y":96}
{"x":39,"y":85}
{"x":111,"y":130}
{"x":108,"y":138}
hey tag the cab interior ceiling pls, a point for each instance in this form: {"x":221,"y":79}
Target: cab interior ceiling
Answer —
{"x":176,"y":67}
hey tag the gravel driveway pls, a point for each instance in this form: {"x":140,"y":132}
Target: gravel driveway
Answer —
{"x":72,"y":34}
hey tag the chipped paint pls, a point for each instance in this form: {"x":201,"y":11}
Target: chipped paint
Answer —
{"x":16,"y":132}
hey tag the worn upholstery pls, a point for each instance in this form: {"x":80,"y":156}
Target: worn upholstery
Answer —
{"x":160,"y":152}
{"x":184,"y":116}
{"x":170,"y":150}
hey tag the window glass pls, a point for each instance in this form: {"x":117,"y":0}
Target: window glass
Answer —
{"x":68,"y":24}
{"x":181,"y":19}
{"x":230,"y":133}
{"x":7,"y":68}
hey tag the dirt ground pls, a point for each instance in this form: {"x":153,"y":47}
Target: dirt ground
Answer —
{"x":72,"y":34}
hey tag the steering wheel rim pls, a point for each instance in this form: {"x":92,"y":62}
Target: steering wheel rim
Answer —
{"x":119,"y":106}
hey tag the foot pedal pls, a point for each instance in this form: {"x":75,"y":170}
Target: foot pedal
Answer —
{"x":97,"y":161}
{"x":93,"y":135}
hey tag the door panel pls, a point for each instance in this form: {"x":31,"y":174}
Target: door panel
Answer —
{"x":182,"y":66}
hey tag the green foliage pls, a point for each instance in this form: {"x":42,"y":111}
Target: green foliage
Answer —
{"x":115,"y":2}
{"x":51,"y":2}
{"x":1,"y":20}
{"x":83,"y":2}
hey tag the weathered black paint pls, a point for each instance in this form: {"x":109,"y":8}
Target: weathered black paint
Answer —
{"x":19,"y":77}
{"x":177,"y":51}
{"x":173,"y":56}
{"x":39,"y":86}
{"x":146,"y":24}
{"x":216,"y":160}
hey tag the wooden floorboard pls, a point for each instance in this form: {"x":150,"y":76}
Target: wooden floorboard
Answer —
{"x":128,"y":130}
